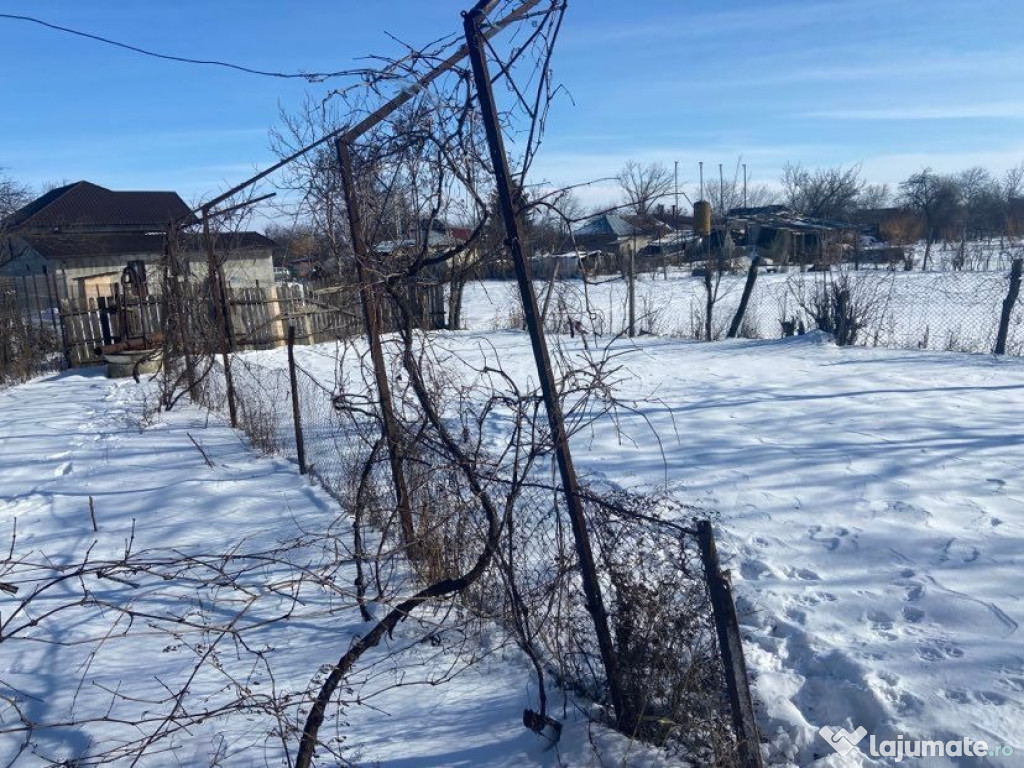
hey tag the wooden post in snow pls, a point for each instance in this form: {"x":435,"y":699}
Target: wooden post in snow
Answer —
{"x":1008,"y":303}
{"x":731,"y":649}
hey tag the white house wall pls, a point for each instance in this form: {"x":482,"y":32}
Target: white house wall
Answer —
{"x":241,"y":269}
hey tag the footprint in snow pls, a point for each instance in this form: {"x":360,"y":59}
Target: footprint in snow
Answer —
{"x":962,"y":552}
{"x":957,"y":696}
{"x":816,"y":598}
{"x":991,"y":698}
{"x":880,"y":620}
{"x":796,"y":616}
{"x":1015,"y":684}
{"x":939,"y":650}
{"x":906,"y":511}
{"x":752,"y":570}
{"x":913,"y":615}
{"x":803,"y":574}
{"x":834,"y":539}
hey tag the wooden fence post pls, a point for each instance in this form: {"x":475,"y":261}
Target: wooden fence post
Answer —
{"x":300,"y":445}
{"x":731,"y":648}
{"x":1008,"y":303}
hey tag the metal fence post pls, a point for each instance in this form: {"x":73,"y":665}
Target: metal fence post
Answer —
{"x":219,"y":301}
{"x":371,"y":318}
{"x":625,"y":712}
{"x":300,"y":446}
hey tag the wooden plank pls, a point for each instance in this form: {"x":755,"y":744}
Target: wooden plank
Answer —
{"x":249,"y":317}
{"x":77,"y":332}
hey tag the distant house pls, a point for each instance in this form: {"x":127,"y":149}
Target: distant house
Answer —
{"x":789,"y":238}
{"x":564,"y":265}
{"x":610,"y":233}
{"x":617,"y":237}
{"x":429,"y":237}
{"x":86,"y":235}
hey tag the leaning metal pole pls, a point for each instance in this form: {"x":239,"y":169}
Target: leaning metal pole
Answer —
{"x":556,"y":421}
{"x":368,"y":298}
{"x":221,"y":308}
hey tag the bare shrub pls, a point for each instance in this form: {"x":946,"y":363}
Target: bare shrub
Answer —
{"x":27,"y":347}
{"x":665,"y":635}
{"x":844,"y":304}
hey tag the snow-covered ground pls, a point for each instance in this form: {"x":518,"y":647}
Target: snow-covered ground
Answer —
{"x":872,"y":508}
{"x":872,"y":518}
{"x":96,"y":676}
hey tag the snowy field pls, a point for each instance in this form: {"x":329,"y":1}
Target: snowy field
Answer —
{"x":872,"y":518}
{"x":872,"y":514}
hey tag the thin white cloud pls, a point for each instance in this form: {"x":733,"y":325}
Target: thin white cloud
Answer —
{"x":893,"y":168}
{"x":1007,"y":110}
{"x":906,"y":66}
{"x":690,"y":23}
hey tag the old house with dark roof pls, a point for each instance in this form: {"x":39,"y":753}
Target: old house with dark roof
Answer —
{"x":609,"y":239}
{"x":85,"y":235}
{"x":608,"y":232}
{"x":789,"y":238}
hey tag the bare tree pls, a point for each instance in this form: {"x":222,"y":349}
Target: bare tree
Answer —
{"x":1013,"y":194}
{"x":826,"y":193}
{"x":644,"y":185}
{"x":902,"y":229}
{"x":874,"y":196}
{"x":311,"y":184}
{"x":982,"y":201}
{"x":13,"y":195}
{"x":936,"y":199}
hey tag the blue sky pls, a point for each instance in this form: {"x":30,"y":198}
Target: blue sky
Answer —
{"x":893,"y":84}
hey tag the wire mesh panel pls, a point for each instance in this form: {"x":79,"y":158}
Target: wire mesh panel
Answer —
{"x":942,"y":310}
{"x":647,"y":555}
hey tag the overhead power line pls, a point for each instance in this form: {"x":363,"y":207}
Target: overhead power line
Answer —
{"x":312,"y":77}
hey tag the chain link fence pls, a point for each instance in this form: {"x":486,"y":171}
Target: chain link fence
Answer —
{"x":649,"y":561}
{"x":956,"y":311}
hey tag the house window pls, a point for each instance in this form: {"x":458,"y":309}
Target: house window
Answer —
{"x":98,"y":286}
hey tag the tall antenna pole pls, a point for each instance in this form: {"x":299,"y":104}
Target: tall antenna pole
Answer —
{"x":675,"y":208}
{"x":701,"y":179}
{"x":721,"y":188}
{"x":744,"y":185}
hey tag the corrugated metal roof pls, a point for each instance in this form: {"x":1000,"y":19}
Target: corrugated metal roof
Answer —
{"x":607,"y":225}
{"x":780,"y":217}
{"x":435,"y":240}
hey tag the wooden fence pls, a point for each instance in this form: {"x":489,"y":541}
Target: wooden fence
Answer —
{"x":92,"y":322}
{"x":260,"y":316}
{"x":85,"y":319}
